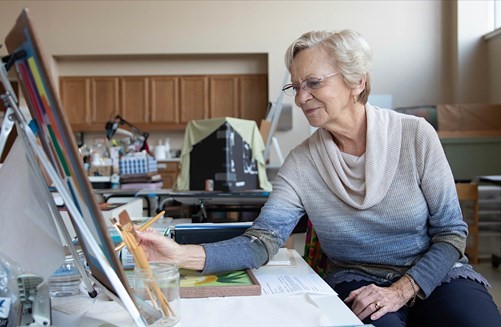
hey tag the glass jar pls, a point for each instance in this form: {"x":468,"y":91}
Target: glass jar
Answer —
{"x":157,"y":293}
{"x":65,"y":281}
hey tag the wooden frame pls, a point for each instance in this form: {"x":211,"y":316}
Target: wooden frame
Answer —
{"x":236,"y":283}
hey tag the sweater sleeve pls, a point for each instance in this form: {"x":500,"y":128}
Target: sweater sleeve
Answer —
{"x":447,"y":229}
{"x":258,"y":244}
{"x":268,"y":233}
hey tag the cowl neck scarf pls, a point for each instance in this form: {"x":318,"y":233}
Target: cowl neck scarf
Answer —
{"x":384,"y":139}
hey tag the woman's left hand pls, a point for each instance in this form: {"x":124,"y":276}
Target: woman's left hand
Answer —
{"x":375,"y":301}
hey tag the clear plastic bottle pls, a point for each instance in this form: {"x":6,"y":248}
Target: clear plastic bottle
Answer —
{"x":167,"y":149}
{"x":65,"y":281}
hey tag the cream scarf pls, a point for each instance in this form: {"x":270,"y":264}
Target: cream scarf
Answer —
{"x":384,"y":133}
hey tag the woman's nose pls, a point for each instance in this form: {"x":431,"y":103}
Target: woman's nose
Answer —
{"x":302,"y":96}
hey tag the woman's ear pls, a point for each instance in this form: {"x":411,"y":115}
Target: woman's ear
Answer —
{"x":360,"y":87}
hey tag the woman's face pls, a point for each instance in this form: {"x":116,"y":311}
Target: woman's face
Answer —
{"x":326,"y":105}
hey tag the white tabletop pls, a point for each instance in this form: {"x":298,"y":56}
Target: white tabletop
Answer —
{"x":311,"y":304}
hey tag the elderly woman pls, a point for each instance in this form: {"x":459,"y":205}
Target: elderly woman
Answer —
{"x":379,"y":192}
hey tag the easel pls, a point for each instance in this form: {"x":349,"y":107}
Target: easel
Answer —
{"x":54,"y":148}
{"x":14,"y":115}
{"x":34,"y":151}
{"x":273,"y":116}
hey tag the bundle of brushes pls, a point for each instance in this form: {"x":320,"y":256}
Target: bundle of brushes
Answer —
{"x":128,"y":233}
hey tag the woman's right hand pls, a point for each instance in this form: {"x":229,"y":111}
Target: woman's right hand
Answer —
{"x":158,"y":247}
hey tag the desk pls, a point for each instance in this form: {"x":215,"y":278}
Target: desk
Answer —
{"x":199,"y":198}
{"x":301,"y":310}
{"x":151,"y":206}
{"x":492,"y":179}
{"x":242,"y":201}
{"x":219,"y":206}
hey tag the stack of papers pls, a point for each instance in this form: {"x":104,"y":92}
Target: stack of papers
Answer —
{"x":282,"y":258}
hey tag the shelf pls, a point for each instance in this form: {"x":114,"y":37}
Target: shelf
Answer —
{"x":489,"y":213}
{"x":489,"y":223}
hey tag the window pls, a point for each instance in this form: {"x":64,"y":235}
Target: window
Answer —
{"x":495,"y":17}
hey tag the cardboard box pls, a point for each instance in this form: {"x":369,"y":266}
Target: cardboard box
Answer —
{"x":100,"y":170}
{"x":469,"y":117}
{"x":470,"y":135}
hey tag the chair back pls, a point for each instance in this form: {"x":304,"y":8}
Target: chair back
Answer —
{"x":468,"y":199}
{"x":313,"y":254}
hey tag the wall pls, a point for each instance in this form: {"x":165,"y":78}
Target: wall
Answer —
{"x":471,"y":75}
{"x":494,"y":58}
{"x":409,"y":39}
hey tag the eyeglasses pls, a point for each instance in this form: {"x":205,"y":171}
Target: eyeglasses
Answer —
{"x":309,"y":84}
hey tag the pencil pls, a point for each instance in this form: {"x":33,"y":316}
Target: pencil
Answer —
{"x":152,"y":220}
{"x":143,"y":227}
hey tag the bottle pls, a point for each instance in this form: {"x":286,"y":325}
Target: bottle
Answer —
{"x":160,"y":151}
{"x":167,"y":149}
{"x":65,"y":281}
{"x":115,"y":181}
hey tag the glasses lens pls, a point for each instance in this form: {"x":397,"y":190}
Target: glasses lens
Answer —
{"x":289,"y":90}
{"x":312,"y":83}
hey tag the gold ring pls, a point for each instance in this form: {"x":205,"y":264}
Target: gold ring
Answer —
{"x":378,"y":305}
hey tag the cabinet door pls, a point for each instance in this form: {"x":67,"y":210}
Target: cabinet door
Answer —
{"x":253,"y":97}
{"x":75,"y":99}
{"x":134,"y":99}
{"x":224,"y":96}
{"x":105,"y":99}
{"x":164,"y":100}
{"x":194,"y":94}
{"x":169,"y":171}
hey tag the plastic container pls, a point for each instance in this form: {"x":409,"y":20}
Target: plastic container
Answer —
{"x":65,"y":281}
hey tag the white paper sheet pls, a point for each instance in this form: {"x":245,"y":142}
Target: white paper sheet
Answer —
{"x":254,"y":311}
{"x":290,"y":284}
{"x":28,"y":234}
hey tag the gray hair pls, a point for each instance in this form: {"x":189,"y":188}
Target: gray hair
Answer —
{"x":349,"y":51}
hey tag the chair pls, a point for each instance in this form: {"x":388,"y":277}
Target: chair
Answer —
{"x":313,"y":254}
{"x":468,"y":199}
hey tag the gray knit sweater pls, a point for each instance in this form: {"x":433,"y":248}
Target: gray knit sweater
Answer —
{"x":408,"y":221}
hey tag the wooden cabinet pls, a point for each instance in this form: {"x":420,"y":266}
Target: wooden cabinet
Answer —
{"x":224,"y":97}
{"x":89,"y":102}
{"x":160,"y":103}
{"x":194,"y":98}
{"x":168,"y":170}
{"x":76,"y":99}
{"x":253,"y":102}
{"x":134,"y":99}
{"x":164,"y":96}
{"x":104,"y":100}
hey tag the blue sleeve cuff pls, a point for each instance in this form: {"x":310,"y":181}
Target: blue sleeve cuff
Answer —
{"x":431,"y":269}
{"x":234,"y":254}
